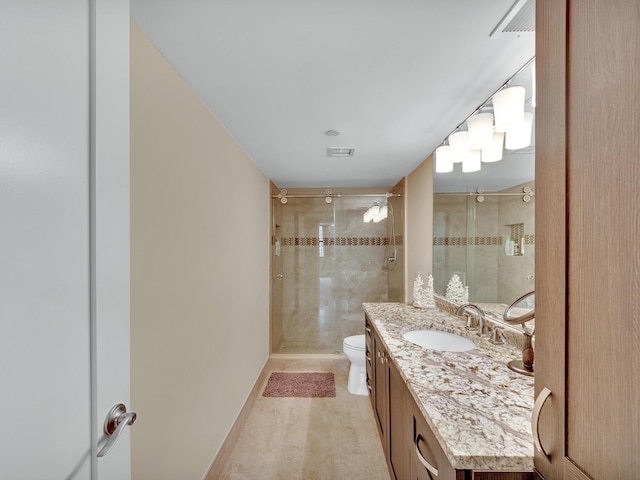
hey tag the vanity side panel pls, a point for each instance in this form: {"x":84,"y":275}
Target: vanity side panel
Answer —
{"x":550,"y":260}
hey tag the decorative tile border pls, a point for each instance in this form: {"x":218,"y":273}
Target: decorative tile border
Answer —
{"x":464,"y":241}
{"x":338,"y":241}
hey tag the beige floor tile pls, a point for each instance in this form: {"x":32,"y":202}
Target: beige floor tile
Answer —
{"x":309,"y":438}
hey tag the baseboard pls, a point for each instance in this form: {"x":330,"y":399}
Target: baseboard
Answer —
{"x":217,"y":467}
{"x":307,"y":356}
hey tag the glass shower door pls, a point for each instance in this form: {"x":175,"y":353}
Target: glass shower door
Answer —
{"x":329,"y":261}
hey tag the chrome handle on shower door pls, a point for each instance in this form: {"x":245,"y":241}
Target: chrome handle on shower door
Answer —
{"x":117,"y":420}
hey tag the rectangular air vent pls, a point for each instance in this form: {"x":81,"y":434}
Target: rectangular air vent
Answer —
{"x":340,"y":152}
{"x":521,"y":18}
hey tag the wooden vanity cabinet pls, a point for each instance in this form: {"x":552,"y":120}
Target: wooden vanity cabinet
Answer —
{"x":381,"y":390}
{"x":377,"y":380}
{"x":369,"y":356}
{"x":402,"y":426}
{"x":390,"y":400}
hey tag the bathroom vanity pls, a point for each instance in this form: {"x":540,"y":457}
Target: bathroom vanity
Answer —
{"x":446,"y":415}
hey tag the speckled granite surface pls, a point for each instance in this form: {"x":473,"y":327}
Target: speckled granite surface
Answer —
{"x":479,"y":410}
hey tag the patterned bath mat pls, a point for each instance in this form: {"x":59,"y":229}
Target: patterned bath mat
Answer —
{"x":302,"y":385}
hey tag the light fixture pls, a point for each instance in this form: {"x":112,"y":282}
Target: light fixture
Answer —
{"x":471,"y":163}
{"x":370,"y":214}
{"x":460,"y":148}
{"x":382,"y":214}
{"x":484,"y":141}
{"x":480,"y":128}
{"x":508,"y":107}
{"x":375,"y":213}
{"x":444,"y":162}
{"x":519,"y":136}
{"x":493,"y":151}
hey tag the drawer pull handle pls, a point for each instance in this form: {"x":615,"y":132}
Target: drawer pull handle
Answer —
{"x":367,"y":329}
{"x":535,"y":418}
{"x":368,"y":357}
{"x":423,"y":461}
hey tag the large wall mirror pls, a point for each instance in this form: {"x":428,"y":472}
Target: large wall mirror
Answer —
{"x":483,"y":223}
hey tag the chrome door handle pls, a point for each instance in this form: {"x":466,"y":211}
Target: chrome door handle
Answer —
{"x":535,"y":418}
{"x":117,"y":419}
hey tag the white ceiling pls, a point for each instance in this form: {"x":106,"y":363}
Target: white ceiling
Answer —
{"x":394,"y":77}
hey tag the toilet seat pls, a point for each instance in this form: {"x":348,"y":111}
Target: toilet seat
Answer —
{"x":355,"y":342}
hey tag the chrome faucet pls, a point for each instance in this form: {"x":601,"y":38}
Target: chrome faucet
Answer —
{"x":479,"y":313}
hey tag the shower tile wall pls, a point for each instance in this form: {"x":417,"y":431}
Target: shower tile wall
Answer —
{"x":449,"y":239}
{"x":395,"y":273}
{"x":331,"y":262}
{"x":469,"y":237}
{"x":516,"y":274}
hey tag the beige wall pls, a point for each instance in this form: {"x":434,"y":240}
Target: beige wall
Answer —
{"x":418,"y":223}
{"x":199,"y":273}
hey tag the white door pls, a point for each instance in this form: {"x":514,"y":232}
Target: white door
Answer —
{"x":64,"y":236}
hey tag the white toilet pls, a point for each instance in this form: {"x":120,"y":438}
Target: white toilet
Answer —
{"x":354,"y":348}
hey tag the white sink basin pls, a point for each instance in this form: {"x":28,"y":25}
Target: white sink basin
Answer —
{"x":442,"y":341}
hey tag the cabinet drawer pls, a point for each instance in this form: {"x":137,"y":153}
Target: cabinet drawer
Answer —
{"x":429,"y":461}
{"x":369,"y":358}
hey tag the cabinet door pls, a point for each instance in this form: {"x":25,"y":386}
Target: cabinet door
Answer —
{"x":429,"y":461}
{"x":400,"y":432}
{"x":370,"y":364}
{"x":587,"y":299}
{"x":381,"y":391}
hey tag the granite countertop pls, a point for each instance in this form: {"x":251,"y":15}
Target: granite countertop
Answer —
{"x":479,"y":410}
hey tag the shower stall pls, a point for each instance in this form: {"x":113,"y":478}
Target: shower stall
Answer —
{"x":326,"y":261}
{"x":488,"y":240}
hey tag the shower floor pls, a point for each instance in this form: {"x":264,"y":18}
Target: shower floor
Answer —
{"x":318,"y":335}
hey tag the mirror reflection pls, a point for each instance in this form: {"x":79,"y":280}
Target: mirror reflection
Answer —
{"x":483,"y":225}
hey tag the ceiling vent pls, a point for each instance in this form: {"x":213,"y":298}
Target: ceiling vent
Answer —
{"x":521,"y":18}
{"x":340,"y":152}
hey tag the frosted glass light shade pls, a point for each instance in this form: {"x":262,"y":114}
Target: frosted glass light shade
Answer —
{"x":493,"y":152}
{"x":460,"y":148}
{"x":480,"y":128}
{"x":444,"y":162}
{"x":472,"y":162}
{"x":508,"y":107}
{"x":520,"y":135}
{"x":382,"y":214}
{"x":370,"y":214}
